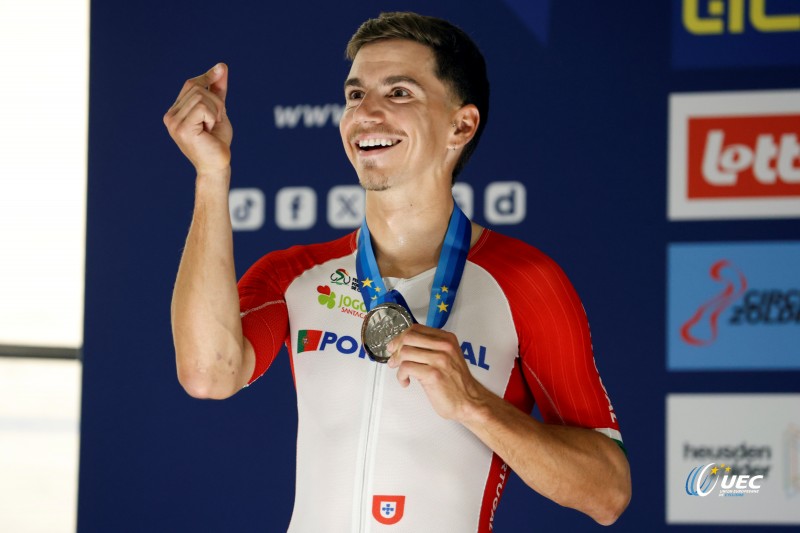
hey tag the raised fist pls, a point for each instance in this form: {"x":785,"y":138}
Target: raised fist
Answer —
{"x":198,"y":123}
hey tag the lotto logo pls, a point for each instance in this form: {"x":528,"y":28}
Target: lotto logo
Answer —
{"x":744,"y":156}
{"x":734,"y":155}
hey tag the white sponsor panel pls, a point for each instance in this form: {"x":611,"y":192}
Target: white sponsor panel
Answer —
{"x":734,"y":155}
{"x":246,"y":207}
{"x":733,"y":459}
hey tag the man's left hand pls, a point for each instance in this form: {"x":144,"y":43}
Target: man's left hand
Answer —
{"x":434,"y":358}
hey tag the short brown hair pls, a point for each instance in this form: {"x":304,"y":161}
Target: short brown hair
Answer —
{"x":459,"y":62}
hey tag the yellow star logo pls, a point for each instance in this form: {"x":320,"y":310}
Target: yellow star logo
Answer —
{"x":375,"y":297}
{"x":444,"y":288}
{"x":442,"y":307}
{"x":438,"y":296}
{"x":714,"y":470}
{"x":377,"y":289}
{"x":367,"y":282}
{"x":728,"y":469}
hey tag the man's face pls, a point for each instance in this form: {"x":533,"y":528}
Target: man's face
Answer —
{"x":397,"y":121}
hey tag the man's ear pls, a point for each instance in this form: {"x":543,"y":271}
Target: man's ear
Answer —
{"x":466,"y":121}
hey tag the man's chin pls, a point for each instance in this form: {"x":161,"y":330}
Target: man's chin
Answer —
{"x":373,"y":187}
{"x":372,"y":181}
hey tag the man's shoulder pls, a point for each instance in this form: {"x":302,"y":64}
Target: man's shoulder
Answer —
{"x":496,"y":250}
{"x":528,"y":277}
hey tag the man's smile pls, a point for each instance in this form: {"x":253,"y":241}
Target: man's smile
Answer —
{"x":374,"y":144}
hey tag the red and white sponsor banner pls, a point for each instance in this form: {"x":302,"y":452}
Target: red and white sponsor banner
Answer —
{"x":734,"y":155}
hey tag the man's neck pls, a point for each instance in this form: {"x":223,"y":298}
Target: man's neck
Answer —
{"x":408,"y":230}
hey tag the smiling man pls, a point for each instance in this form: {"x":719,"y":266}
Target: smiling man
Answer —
{"x":411,"y":414}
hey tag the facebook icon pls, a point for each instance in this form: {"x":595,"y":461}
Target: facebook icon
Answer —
{"x":296,"y":208}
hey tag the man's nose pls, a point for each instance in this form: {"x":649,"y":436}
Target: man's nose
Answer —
{"x":369,"y":109}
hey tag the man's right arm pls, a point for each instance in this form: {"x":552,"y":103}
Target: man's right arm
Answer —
{"x":214,"y":359}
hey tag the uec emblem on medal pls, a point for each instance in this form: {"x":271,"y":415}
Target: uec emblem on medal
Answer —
{"x":381,"y":325}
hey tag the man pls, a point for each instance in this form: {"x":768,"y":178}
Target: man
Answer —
{"x":424,"y":442}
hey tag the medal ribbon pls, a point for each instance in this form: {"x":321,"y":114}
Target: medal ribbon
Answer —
{"x":446,"y":280}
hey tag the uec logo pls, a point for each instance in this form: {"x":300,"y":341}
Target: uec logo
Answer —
{"x":698,"y":481}
{"x":701,"y":481}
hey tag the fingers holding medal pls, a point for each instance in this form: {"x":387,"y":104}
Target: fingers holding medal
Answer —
{"x":434,"y":358}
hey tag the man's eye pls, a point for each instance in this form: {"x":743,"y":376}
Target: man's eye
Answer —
{"x":399,"y":93}
{"x":355,"y":95}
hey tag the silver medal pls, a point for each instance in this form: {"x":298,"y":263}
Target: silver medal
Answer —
{"x":381,"y":325}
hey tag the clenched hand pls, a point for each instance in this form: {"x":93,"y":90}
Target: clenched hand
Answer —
{"x":198,"y":123}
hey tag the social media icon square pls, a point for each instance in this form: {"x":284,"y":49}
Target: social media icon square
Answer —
{"x":246,"y":208}
{"x":462,"y":193}
{"x":296,"y":208}
{"x":346,"y":206}
{"x":505,"y":202}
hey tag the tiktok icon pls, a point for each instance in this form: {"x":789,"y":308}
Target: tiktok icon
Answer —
{"x":246,"y":207}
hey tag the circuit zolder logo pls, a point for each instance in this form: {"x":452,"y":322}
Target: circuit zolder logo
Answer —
{"x":744,"y":157}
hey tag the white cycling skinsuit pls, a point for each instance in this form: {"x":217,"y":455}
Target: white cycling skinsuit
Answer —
{"x":373,"y":456}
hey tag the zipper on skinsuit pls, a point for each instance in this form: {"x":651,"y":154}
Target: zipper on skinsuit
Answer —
{"x":362,"y":488}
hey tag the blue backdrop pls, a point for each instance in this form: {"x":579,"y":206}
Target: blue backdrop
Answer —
{"x":579,"y":116}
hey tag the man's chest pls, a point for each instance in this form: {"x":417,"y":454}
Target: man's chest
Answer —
{"x":326,"y":312}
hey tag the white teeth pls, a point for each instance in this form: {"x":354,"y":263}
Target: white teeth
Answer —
{"x":375,"y":142}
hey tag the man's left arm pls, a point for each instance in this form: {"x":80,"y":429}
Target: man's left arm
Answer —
{"x":573,"y":466}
